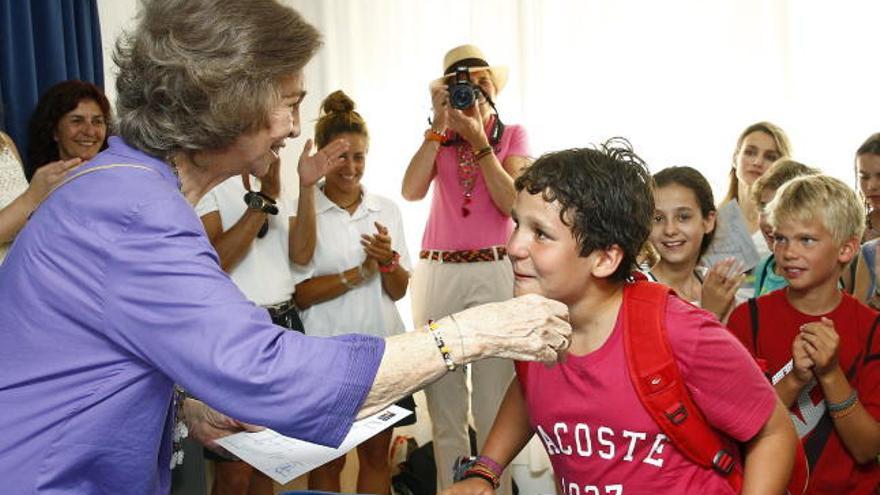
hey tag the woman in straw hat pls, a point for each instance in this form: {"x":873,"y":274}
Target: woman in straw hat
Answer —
{"x":472,"y":160}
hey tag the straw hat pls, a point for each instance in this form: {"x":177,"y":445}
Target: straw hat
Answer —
{"x":472,"y":57}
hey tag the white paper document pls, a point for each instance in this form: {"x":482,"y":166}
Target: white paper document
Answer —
{"x":283,"y":458}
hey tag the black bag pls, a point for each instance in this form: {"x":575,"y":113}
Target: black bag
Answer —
{"x":418,"y":474}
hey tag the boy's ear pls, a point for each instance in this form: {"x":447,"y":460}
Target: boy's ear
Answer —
{"x":606,"y":261}
{"x":848,"y":250}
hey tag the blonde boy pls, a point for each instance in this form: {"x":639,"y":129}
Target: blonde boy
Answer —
{"x":816,"y":340}
{"x":767,"y":276}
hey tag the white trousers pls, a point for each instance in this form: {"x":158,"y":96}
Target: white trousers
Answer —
{"x":438,"y":290}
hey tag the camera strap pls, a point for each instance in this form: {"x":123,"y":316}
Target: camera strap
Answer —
{"x":498,"y":126}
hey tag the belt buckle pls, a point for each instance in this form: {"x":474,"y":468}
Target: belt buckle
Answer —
{"x":278,"y":308}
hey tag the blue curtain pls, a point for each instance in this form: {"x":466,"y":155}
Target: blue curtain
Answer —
{"x":43,"y":42}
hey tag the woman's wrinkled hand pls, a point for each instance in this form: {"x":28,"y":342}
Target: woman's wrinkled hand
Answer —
{"x":207,"y":425}
{"x":526,"y":328}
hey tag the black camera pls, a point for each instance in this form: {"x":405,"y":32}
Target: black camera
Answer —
{"x":462,"y":92}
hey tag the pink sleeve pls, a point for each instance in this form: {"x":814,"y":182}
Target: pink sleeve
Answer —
{"x":519,"y":142}
{"x":724,"y":380}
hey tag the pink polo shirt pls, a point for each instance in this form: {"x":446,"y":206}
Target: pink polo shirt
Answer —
{"x":485,"y":226}
{"x":600,"y":438}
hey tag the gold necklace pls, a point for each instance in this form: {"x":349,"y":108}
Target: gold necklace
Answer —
{"x":350,"y":204}
{"x":358,"y":198}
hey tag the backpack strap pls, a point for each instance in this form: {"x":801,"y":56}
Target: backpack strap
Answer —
{"x":659,"y":385}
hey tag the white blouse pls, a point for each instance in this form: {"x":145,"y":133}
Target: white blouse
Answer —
{"x":264,"y":274}
{"x":365,"y":309}
{"x":12,"y":183}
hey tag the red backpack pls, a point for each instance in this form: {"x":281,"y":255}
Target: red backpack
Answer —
{"x":662,"y":391}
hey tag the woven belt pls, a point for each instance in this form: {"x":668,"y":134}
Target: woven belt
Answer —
{"x":467,"y":256}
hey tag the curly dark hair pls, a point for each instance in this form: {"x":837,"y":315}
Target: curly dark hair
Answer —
{"x":605,"y":196}
{"x":691,"y":178}
{"x":56,"y":102}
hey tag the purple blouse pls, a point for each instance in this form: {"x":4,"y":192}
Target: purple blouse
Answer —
{"x":110,"y":295}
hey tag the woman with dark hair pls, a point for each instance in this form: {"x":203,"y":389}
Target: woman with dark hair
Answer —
{"x":682,"y":228}
{"x":72,"y":120}
{"x":112,"y":292}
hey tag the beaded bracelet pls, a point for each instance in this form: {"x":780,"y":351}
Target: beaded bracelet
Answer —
{"x":433,"y":329}
{"x":843,"y":409}
{"x":846,"y":412}
{"x":491,"y":464}
{"x":483,"y":471}
{"x":482,"y":152}
{"x":846,"y":404}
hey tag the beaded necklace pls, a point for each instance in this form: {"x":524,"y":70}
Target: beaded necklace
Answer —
{"x":468,"y":170}
{"x":467,"y":173}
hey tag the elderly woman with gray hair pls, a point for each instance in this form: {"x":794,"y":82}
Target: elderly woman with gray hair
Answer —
{"x":112,"y":292}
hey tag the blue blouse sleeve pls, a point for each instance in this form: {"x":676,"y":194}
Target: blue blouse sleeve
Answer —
{"x":170,"y":305}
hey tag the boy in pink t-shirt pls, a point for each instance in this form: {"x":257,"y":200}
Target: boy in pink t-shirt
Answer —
{"x":581,"y":217}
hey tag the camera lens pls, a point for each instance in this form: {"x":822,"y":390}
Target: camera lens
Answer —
{"x":461,"y":95}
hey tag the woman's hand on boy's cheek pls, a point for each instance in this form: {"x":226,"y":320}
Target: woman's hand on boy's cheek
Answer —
{"x":822,"y":345}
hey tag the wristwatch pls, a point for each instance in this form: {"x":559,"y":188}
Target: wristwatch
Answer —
{"x":257,"y":201}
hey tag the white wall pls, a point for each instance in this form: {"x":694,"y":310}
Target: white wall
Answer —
{"x":679,"y":78}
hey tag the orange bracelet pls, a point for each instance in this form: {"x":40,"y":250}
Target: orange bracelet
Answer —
{"x":432,"y":135}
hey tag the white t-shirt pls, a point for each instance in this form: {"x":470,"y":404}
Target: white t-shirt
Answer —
{"x":264,"y":274}
{"x":366,"y":309}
